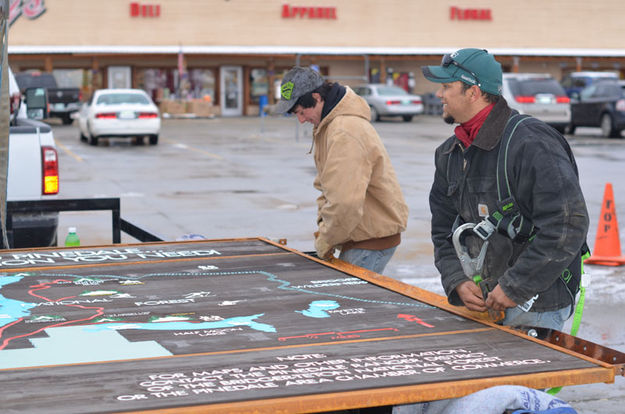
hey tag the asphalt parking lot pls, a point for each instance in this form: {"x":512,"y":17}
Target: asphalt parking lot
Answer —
{"x":246,"y":177}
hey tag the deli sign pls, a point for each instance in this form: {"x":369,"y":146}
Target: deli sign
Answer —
{"x":289,"y":12}
{"x":144,"y":10}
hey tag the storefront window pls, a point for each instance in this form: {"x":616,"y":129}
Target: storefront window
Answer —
{"x":259,"y":84}
{"x":69,"y":78}
{"x":75,"y":78}
{"x":202,"y":84}
{"x":164,"y":84}
{"x":158,"y":83}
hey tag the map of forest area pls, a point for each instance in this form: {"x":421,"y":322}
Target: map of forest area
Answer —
{"x":152,"y":326}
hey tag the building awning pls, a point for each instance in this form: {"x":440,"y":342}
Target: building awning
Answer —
{"x":301,"y":50}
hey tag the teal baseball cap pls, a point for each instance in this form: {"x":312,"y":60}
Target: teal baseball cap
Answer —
{"x":471,"y":66}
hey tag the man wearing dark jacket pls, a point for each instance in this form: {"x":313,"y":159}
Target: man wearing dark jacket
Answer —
{"x":542,"y":177}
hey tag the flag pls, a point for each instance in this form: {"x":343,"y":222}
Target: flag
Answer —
{"x":180,"y":63}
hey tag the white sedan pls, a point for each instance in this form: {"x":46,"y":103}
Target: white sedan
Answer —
{"x":119,"y":113}
{"x":390,"y":100}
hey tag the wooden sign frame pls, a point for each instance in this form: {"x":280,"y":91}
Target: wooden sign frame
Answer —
{"x":368,"y":341}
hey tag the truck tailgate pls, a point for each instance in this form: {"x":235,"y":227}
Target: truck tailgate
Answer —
{"x":25,"y":170}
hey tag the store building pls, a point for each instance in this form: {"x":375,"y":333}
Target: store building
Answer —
{"x":232,"y":53}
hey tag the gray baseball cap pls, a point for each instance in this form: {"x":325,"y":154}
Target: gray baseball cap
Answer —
{"x":296,"y":83}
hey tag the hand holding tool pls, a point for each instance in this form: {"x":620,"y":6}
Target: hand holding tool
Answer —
{"x":472,"y":267}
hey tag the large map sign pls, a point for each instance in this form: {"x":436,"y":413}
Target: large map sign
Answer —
{"x":241,"y":325}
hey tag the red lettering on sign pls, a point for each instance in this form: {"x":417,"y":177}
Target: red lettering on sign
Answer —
{"x":456,"y":13}
{"x":15,"y":10}
{"x":144,"y":10}
{"x":452,"y":12}
{"x":31,"y":9}
{"x":308,"y":12}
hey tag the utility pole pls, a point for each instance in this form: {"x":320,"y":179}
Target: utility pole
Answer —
{"x":4,"y":116}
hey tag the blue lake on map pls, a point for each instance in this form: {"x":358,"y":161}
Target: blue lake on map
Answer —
{"x":102,"y":342}
{"x":11,"y":309}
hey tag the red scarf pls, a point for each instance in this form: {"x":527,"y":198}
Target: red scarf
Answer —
{"x":466,"y":132}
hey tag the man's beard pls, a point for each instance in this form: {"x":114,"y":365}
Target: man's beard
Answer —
{"x":449,"y":120}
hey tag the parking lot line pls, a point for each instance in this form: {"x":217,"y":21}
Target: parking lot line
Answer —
{"x":69,"y":152}
{"x":185,"y":146}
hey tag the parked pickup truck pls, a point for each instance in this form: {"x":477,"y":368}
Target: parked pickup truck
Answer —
{"x":33,"y":171}
{"x":63,"y":101}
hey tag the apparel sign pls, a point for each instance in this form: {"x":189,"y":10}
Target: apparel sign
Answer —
{"x":308,"y":12}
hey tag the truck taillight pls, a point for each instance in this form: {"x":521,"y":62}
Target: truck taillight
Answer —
{"x":50,"y":171}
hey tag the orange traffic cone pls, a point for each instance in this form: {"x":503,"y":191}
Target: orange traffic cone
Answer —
{"x":607,"y":249}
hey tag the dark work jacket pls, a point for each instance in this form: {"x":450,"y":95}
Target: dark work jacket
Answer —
{"x":544,"y":183}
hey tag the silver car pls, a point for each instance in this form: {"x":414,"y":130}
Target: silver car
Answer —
{"x":385,"y":100}
{"x":539,"y":95}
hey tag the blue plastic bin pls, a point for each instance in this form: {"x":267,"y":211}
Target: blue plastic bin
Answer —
{"x":262,"y":103}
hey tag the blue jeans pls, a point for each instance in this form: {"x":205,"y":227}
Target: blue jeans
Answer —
{"x":551,"y":319}
{"x":374,"y":260}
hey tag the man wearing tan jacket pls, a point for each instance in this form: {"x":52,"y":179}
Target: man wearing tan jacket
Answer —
{"x":361,"y":209}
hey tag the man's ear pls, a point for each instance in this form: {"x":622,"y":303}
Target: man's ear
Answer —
{"x":475,"y":93}
{"x":317,"y":97}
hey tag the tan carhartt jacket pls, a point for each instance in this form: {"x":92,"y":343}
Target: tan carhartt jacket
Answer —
{"x":360,"y":196}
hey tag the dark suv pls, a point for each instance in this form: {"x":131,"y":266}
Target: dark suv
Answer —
{"x":602,"y":105}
